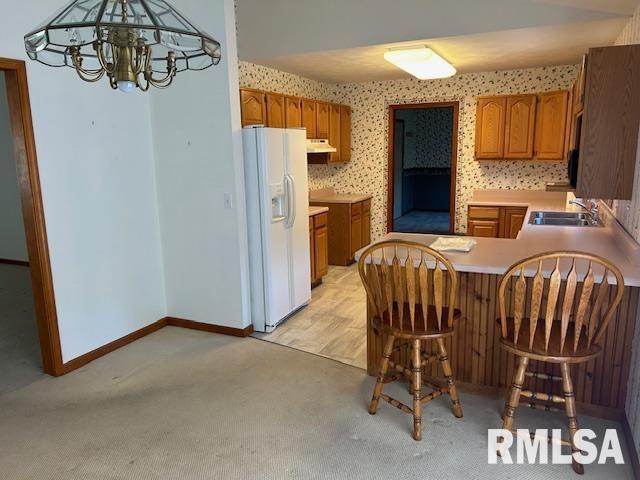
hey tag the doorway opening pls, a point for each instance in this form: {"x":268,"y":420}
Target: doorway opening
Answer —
{"x":30,"y":342}
{"x":423,"y":141}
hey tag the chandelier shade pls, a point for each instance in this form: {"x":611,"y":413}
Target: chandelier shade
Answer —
{"x":129,"y":40}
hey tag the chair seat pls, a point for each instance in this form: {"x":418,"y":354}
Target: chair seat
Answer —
{"x":404,"y":330}
{"x":553,"y":353}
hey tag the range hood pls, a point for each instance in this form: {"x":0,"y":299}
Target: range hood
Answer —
{"x":319,"y":145}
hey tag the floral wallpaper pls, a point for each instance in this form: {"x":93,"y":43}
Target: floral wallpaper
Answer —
{"x":427,"y":137}
{"x":367,"y":170}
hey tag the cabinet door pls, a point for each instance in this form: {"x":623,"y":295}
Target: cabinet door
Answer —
{"x":252,"y":107}
{"x":520,"y":126}
{"x":551,"y":124}
{"x":321,"y":245}
{"x":312,"y":250}
{"x":275,"y":110}
{"x":292,"y":112}
{"x":366,"y":223}
{"x":309,"y":117}
{"x":490,"y":123}
{"x":513,"y":221}
{"x":322,"y":120}
{"x":345,"y":133}
{"x":483,"y":228}
{"x":334,"y":132}
{"x":579,"y":87}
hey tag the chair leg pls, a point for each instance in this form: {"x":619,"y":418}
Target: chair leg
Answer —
{"x":514,"y":395}
{"x":572,"y":416}
{"x":416,"y":380}
{"x":443,"y":356}
{"x":384,"y":365}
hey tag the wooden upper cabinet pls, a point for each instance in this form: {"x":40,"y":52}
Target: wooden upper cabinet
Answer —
{"x":520,"y":126}
{"x":292,"y":112}
{"x":610,"y":123}
{"x":334,"y":131}
{"x":490,"y":126}
{"x":322,"y":120}
{"x":345,"y":133}
{"x":252,"y":107}
{"x":551,"y":125}
{"x":275,"y":110}
{"x":309,"y":117}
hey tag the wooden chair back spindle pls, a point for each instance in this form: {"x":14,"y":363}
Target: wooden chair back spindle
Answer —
{"x":566,"y":289}
{"x":400,"y":277}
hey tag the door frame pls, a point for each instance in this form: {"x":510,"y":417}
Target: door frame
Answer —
{"x":33,"y":213}
{"x":454,"y":157}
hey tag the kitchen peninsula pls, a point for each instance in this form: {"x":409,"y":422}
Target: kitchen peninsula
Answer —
{"x":477,"y":361}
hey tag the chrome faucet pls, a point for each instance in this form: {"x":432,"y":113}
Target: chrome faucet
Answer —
{"x":590,"y":207}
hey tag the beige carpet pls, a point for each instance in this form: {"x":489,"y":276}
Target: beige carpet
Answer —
{"x":182,"y":404}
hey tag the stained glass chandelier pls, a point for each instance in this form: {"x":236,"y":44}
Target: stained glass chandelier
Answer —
{"x":135,"y":43}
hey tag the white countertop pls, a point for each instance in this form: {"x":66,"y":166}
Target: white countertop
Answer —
{"x":496,"y":255}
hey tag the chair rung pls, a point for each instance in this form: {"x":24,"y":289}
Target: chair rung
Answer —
{"x":540,"y":406}
{"x":399,"y":368}
{"x":548,"y":438}
{"x":429,"y":358}
{"x":543,"y":376}
{"x":396,"y":403}
{"x":434,"y":394}
{"x":545,"y":397}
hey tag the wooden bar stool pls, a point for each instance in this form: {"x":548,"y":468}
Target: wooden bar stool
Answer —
{"x":407,"y":285}
{"x":571,"y":330}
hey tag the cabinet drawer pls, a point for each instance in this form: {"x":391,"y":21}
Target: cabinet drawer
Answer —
{"x":320,"y":220}
{"x":356,"y":210}
{"x":484,"y":212}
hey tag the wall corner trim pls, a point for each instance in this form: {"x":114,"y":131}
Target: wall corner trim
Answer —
{"x":88,"y":357}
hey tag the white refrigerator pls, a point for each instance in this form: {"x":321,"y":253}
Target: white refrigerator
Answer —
{"x":275,"y":165}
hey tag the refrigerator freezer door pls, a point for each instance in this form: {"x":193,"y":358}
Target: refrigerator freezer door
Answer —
{"x":271,"y":170}
{"x":298,"y":235}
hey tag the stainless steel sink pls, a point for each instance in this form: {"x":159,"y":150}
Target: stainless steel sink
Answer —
{"x":563,"y":219}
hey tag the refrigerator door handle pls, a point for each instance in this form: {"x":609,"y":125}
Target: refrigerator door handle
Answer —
{"x":291,"y":200}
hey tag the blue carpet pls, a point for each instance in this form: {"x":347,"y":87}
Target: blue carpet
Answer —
{"x":422,"y":222}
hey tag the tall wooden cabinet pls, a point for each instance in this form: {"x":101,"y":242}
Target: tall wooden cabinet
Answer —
{"x":322,"y":120}
{"x":345,"y":133}
{"x":334,"y":131}
{"x":608,"y":145}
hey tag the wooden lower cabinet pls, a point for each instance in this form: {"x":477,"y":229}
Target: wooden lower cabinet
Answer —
{"x":349,"y":229}
{"x":319,"y":246}
{"x":495,"y":221}
{"x":483,"y":228}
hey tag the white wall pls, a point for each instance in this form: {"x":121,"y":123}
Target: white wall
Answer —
{"x":197,"y":143}
{"x":13,"y":245}
{"x":97,"y":175}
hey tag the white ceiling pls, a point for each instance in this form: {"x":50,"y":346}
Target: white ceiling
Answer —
{"x":338,"y":41}
{"x":523,"y":48}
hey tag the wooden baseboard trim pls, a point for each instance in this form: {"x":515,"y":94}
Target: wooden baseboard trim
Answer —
{"x":8,"y":261}
{"x":208,"y":327}
{"x":631,"y":446}
{"x":111,"y":346}
{"x":82,"y":360}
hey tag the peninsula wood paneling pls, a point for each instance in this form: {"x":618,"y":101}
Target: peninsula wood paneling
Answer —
{"x":480,"y":364}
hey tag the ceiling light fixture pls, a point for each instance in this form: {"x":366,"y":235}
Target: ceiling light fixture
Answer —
{"x":131,"y":41}
{"x":421,"y":62}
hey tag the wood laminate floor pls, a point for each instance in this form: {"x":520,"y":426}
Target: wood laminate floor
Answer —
{"x":333,"y":325}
